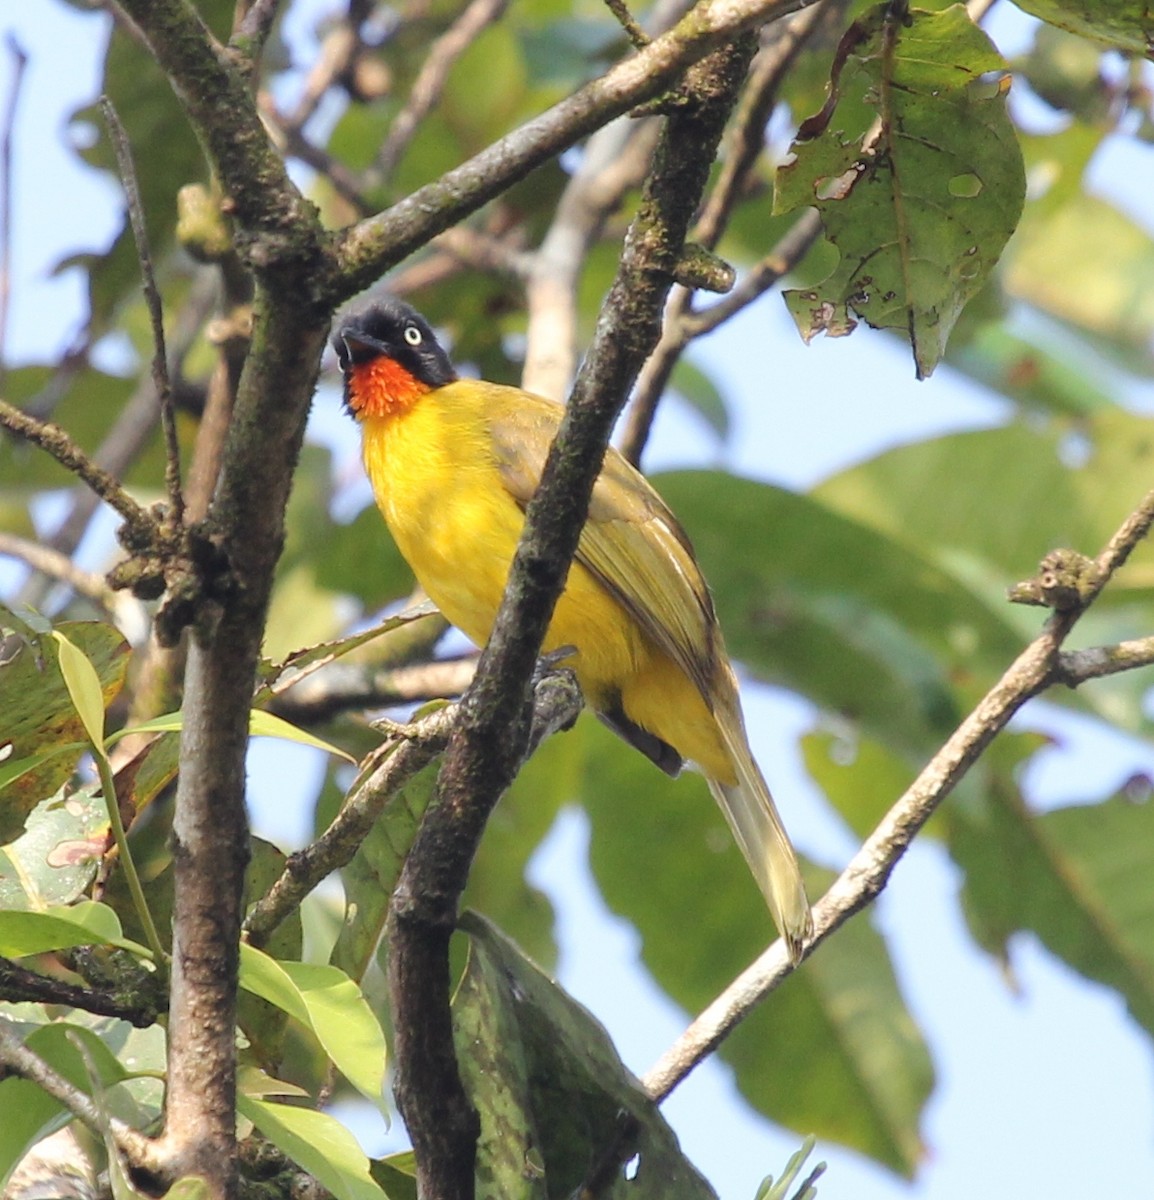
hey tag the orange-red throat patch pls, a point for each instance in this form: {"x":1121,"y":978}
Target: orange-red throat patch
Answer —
{"x":383,"y":388}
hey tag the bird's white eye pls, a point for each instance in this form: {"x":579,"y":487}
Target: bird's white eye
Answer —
{"x":413,"y":335}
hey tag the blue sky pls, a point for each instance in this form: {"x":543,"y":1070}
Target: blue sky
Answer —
{"x":1044,"y":1091}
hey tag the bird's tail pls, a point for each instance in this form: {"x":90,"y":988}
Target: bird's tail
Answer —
{"x":753,"y":817}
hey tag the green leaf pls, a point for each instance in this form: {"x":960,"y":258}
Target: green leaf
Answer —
{"x":550,"y":1089}
{"x":78,"y":1053}
{"x":1123,"y":24}
{"x":838,"y":1028}
{"x":56,"y":858}
{"x":326,"y":1001}
{"x":1041,"y":486}
{"x":260,"y":724}
{"x":1078,"y":878}
{"x":1088,"y":263}
{"x":1029,"y":372}
{"x":370,"y":878}
{"x":266,"y":724}
{"x":397,"y":1174}
{"x":318,"y":1143}
{"x":83,"y":687}
{"x":40,"y":717}
{"x":783,"y":1186}
{"x":84,"y":924}
{"x":919,"y":215}
{"x":696,"y":388}
{"x":860,"y":777}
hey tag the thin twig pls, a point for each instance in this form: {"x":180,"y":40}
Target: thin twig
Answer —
{"x":1075,"y":667}
{"x":785,"y":40}
{"x":364,"y":251}
{"x":56,"y":442}
{"x":253,"y":25}
{"x":746,"y":140}
{"x":422,"y":742}
{"x":337,"y":54}
{"x":19,"y":63}
{"x":138,"y":1149}
{"x":1037,"y":668}
{"x":637,"y":36}
{"x":557,"y":702}
{"x":429,"y":84}
{"x":291,"y":141}
{"x":684,"y":324}
{"x":338,"y":688}
{"x":160,"y":379}
{"x":125,"y":610}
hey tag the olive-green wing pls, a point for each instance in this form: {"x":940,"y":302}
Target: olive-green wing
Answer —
{"x":631,"y":543}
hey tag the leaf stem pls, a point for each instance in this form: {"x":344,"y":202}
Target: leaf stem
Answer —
{"x":108,"y":788}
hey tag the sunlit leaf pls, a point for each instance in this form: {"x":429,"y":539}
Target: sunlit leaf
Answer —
{"x":83,"y":686}
{"x":371,"y":876}
{"x":326,"y":1001}
{"x":86,"y":923}
{"x":318,"y":1143}
{"x":866,"y":626}
{"x":260,"y":724}
{"x":55,"y":858}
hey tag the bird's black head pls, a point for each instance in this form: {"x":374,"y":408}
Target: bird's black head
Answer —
{"x":391,"y":329}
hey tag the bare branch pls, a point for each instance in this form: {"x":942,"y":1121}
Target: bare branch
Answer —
{"x":160,"y":379}
{"x":614,"y":161}
{"x":253,"y":24}
{"x":1037,"y":668}
{"x":126,"y":611}
{"x":339,"y":689}
{"x":783,"y":42}
{"x":55,"y":441}
{"x":683,"y":324}
{"x":138,"y":1149}
{"x":1075,"y":667}
{"x":557,"y":703}
{"x":633,"y":31}
{"x":399,"y":761}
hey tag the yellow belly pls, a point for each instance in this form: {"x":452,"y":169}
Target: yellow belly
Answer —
{"x":457,"y":526}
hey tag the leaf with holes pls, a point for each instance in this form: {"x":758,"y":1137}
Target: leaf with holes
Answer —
{"x":916,"y":171}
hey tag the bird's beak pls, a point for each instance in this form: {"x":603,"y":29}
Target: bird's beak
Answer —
{"x":352,"y":347}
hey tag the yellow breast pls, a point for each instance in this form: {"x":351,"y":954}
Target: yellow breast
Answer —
{"x":438,"y":485}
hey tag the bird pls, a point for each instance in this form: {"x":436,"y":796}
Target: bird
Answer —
{"x":453,"y":463}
